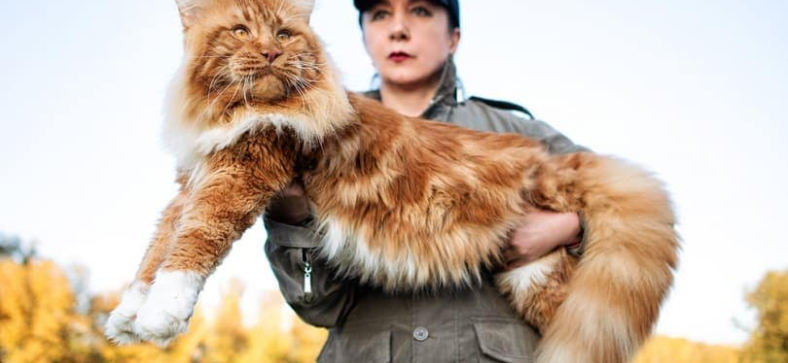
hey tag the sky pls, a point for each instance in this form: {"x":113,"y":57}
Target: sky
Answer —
{"x":693,"y":90}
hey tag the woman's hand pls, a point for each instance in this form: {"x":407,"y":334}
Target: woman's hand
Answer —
{"x":540,"y":233}
{"x":291,"y":206}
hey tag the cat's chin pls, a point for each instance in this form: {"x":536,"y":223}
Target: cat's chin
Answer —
{"x":269,"y":88}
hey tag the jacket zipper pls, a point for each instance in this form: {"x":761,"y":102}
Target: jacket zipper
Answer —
{"x":307,"y":273}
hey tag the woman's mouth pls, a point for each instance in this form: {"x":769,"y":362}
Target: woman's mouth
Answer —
{"x":399,"y":57}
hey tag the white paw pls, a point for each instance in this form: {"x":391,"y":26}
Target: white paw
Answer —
{"x":169,"y":305}
{"x":120,"y":324}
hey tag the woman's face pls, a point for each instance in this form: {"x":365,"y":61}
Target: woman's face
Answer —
{"x":408,"y":40}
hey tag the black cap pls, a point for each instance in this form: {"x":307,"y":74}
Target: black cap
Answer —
{"x":452,"y":6}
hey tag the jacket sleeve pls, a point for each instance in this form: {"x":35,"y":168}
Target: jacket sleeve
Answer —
{"x":305,"y":279}
{"x":556,"y":143}
{"x":479,"y":115}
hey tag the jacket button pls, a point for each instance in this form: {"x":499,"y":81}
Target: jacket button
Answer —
{"x":421,"y":334}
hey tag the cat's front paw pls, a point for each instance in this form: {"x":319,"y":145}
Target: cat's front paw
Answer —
{"x":120,"y":324}
{"x":169,"y":305}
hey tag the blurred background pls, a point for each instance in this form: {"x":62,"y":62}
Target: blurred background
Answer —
{"x":694,"y":90}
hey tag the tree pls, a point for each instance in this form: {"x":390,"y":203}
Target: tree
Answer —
{"x":37,"y":315}
{"x":12,"y":247}
{"x":279,"y":337}
{"x":769,"y":341}
{"x":229,"y":338}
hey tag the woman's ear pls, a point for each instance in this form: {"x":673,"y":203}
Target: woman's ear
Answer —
{"x":455,"y":40}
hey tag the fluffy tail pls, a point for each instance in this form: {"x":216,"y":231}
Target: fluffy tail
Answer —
{"x":615,"y":293}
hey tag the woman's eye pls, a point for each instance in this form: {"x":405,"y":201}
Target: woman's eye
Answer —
{"x":379,"y":14}
{"x":241,"y":32}
{"x":283,"y":35}
{"x":421,"y":11}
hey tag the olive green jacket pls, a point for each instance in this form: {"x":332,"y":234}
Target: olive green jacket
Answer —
{"x":367,"y":325}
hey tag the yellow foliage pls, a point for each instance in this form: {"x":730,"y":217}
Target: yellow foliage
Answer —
{"x":308,"y":341}
{"x":769,"y":341}
{"x":229,"y":336}
{"x":36,"y":312}
{"x":280,"y":337}
{"x":673,"y":350}
{"x":39,"y":324}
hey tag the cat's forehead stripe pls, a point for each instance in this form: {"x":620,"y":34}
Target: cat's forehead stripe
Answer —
{"x":253,"y":12}
{"x":262,"y":12}
{"x":248,"y":14}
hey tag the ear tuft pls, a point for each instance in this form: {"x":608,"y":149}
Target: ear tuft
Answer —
{"x":189,"y":10}
{"x":304,"y":7}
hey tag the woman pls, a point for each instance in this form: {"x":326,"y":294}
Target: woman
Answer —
{"x":411,"y":43}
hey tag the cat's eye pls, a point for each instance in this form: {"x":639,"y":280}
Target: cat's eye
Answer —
{"x":284,"y":35}
{"x":241,"y":32}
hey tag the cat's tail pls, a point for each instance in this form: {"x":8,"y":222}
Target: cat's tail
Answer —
{"x":631,"y":246}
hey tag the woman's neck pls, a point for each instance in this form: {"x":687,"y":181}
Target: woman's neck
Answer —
{"x":409,"y":100}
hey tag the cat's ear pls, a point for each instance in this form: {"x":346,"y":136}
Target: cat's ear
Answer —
{"x":190,"y":10}
{"x":304,"y":8}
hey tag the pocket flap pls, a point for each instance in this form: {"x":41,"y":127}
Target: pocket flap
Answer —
{"x":357,"y":346}
{"x":289,"y":236}
{"x":505,"y":340}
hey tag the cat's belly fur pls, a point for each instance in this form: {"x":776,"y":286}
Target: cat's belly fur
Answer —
{"x":407,"y":264}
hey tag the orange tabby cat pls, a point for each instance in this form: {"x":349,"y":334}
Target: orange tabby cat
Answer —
{"x":405,"y":203}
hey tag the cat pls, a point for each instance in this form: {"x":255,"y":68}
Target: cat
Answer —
{"x":406,"y":204}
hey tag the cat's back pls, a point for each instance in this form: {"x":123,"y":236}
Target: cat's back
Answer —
{"x":379,"y":123}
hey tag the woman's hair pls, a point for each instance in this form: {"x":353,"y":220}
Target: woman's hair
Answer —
{"x":451,"y":6}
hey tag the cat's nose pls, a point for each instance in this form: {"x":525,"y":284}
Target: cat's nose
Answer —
{"x":271,"y":55}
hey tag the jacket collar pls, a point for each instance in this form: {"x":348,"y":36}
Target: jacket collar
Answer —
{"x":445,"y":97}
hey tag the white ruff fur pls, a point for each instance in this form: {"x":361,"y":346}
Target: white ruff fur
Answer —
{"x":353,"y":256}
{"x":191,"y":140}
{"x":169,"y":305}
{"x":120,"y":324}
{"x":191,"y":145}
{"x":218,"y":138}
{"x":340,"y":244}
{"x":522,"y":278}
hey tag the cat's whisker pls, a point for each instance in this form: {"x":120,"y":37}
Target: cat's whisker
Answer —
{"x":213,"y":103}
{"x":299,"y":87}
{"x":301,"y":64}
{"x":292,"y":85}
{"x":247,"y":83}
{"x":307,"y":65}
{"x":227,"y":106}
{"x":216,"y":77}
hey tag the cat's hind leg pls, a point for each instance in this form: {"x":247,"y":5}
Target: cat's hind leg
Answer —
{"x":120,"y":323}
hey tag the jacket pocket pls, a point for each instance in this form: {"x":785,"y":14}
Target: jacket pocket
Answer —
{"x":505,"y":340}
{"x":358,"y":345}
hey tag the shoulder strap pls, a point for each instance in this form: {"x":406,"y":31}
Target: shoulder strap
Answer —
{"x":503,"y":105}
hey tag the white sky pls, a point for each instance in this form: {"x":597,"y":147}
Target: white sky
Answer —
{"x":690,"y":89}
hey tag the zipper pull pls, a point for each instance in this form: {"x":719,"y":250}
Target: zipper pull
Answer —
{"x":307,"y":278}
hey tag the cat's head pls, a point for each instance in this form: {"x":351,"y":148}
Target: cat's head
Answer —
{"x":252,"y":54}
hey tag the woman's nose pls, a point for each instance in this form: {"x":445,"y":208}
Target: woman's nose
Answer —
{"x":398,"y":30}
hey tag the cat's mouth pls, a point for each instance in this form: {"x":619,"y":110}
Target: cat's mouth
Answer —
{"x":255,"y":71}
